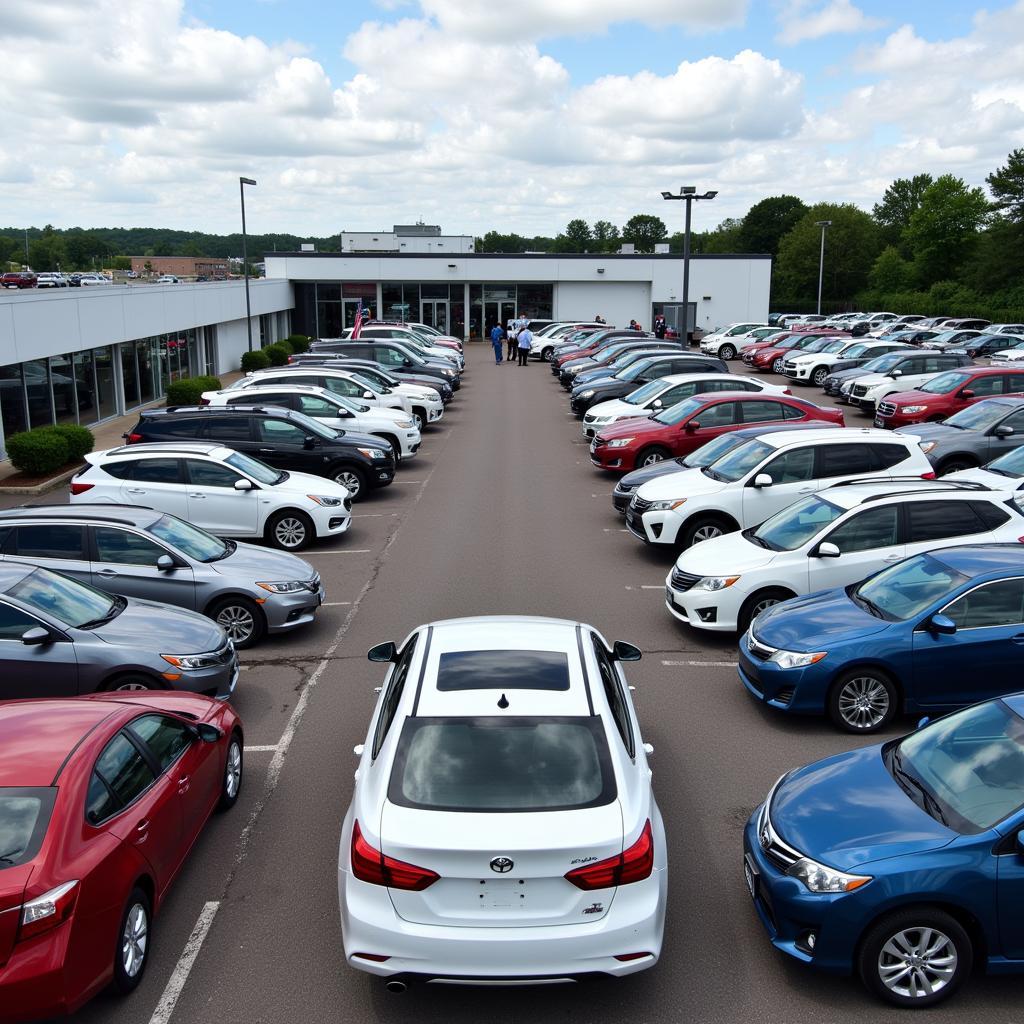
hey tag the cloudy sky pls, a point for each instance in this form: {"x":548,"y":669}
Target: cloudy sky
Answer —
{"x":516,"y":115}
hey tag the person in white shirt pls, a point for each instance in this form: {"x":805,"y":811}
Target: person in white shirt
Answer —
{"x":524,"y":340}
{"x":510,"y":333}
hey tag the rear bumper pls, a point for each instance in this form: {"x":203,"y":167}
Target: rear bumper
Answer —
{"x":32,"y":984}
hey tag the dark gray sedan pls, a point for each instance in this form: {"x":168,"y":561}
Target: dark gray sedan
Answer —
{"x":59,"y":637}
{"x":973,"y":436}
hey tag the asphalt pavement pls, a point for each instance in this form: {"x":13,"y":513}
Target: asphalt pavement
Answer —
{"x":500,"y":512}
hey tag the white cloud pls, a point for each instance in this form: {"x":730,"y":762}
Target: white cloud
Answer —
{"x":799,"y":22}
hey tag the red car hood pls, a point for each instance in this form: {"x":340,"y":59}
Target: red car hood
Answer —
{"x":770,"y":353}
{"x":630,"y":428}
{"x":914,"y":398}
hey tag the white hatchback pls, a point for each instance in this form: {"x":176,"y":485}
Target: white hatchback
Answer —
{"x":503,"y":828}
{"x":725,"y":342}
{"x":218,"y":489}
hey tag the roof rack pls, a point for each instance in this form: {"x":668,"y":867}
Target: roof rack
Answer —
{"x":954,"y":486}
{"x":71,"y":512}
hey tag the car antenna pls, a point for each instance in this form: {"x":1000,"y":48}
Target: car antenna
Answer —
{"x":503,"y":702}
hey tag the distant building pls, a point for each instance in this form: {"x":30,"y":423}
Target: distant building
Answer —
{"x":413,"y":238}
{"x":182,"y":266}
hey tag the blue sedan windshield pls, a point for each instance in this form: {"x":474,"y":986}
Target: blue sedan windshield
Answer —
{"x":906,"y":589}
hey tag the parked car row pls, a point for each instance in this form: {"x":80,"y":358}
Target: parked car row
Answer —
{"x":51,"y":279}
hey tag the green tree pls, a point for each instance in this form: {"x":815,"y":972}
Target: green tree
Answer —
{"x":643,"y":230}
{"x":606,"y":236}
{"x":899,"y":202}
{"x":494,"y":241}
{"x":850,"y":249}
{"x":579,"y":233}
{"x":724,"y":238}
{"x":943,"y":230}
{"x":767,"y":221}
{"x":1007,"y":185}
{"x":890,"y":272}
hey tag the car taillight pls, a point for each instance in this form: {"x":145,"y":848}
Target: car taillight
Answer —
{"x":77,"y":488}
{"x":929,"y":475}
{"x":204,"y":401}
{"x":47,"y":911}
{"x":370,"y":865}
{"x":133,"y":438}
{"x":632,"y":865}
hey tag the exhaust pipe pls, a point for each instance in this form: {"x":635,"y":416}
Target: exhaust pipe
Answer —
{"x":395,"y":986}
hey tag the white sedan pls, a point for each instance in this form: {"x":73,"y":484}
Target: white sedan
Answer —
{"x":503,"y":827}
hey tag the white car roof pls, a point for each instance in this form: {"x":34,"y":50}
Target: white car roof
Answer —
{"x":851,"y":495}
{"x":301,"y":389}
{"x":163,"y":448}
{"x":682,"y":378}
{"x":784,"y":438}
{"x":330,"y":371}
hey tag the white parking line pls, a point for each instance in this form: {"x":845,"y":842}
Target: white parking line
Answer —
{"x":176,"y":982}
{"x":260,"y":749}
{"x":650,"y":586}
{"x":334,"y":604}
{"x":340,"y":551}
{"x":704,"y":664}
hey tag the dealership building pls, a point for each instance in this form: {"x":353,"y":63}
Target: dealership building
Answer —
{"x":84,"y":355}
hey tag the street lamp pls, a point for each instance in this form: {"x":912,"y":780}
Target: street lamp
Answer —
{"x":824,"y":225}
{"x":242,"y":182}
{"x":688,"y":193}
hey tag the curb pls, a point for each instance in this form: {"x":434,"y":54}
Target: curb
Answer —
{"x":46,"y":485}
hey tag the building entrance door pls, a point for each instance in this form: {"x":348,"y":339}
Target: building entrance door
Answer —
{"x":434,"y":313}
{"x":497,"y":313}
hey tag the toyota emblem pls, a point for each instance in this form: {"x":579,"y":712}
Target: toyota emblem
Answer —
{"x":503,"y":865}
{"x":765,"y":838}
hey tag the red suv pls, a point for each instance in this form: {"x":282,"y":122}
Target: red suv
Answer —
{"x":18,"y":279}
{"x":684,"y":427}
{"x":947,"y":393}
{"x":101,"y":799}
{"x":772,"y":355}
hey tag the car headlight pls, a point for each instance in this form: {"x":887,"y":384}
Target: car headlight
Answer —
{"x":796,"y":659}
{"x":191,"y":662}
{"x":927,"y":446}
{"x":600,"y":419}
{"x":448,"y":373}
{"x":283,"y":587}
{"x":666,"y":506}
{"x":821,"y":878}
{"x":846,"y":389}
{"x":406,"y":424}
{"x":372,"y":453}
{"x":620,"y":442}
{"x":586,"y":394}
{"x":913,"y":408}
{"x":714,"y":583}
{"x":327,"y":500}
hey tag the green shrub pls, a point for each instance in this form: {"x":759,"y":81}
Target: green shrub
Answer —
{"x":256,"y":360}
{"x":38,"y":451}
{"x":190,"y":390}
{"x":277,"y":354}
{"x":286,"y":345}
{"x":79,"y":440}
{"x":298,"y":342}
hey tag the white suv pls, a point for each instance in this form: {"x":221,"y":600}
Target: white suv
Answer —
{"x":910,"y":372}
{"x":394,"y":426}
{"x":725,"y":342}
{"x":757,"y":479}
{"x":814,"y":367}
{"x":347,"y":383}
{"x":831,"y":539}
{"x":218,"y":489}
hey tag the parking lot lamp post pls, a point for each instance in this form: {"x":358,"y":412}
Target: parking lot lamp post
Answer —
{"x":688,"y":193}
{"x":242,"y":182}
{"x":824,"y":225}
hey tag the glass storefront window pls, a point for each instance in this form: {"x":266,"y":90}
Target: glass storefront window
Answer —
{"x":147,"y":369}
{"x":12,"y":400}
{"x":62,"y":379}
{"x":535,"y":301}
{"x":435,"y":291}
{"x":85,"y":387}
{"x":129,"y":377}
{"x":328,"y":319}
{"x":37,"y":389}
{"x":326,"y":292}
{"x":106,"y":393}
{"x":391,"y":300}
{"x":476,"y":310}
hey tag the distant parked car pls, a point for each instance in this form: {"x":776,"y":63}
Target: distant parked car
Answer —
{"x":18,"y":279}
{"x":90,"y":280}
{"x":973,"y":436}
{"x":168,"y":279}
{"x":948,"y":393}
{"x":51,"y":279}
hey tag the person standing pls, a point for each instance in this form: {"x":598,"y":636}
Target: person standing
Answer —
{"x":497,"y":343}
{"x":524,"y":340}
{"x":660,"y":326}
{"x":598,"y":319}
{"x":510,"y":333}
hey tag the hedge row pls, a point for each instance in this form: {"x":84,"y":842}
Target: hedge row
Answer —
{"x":276,"y":354}
{"x":190,"y":390}
{"x":46,"y":449}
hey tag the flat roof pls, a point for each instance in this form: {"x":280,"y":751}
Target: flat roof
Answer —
{"x":635,"y":256}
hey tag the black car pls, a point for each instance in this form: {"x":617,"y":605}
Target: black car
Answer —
{"x":986,"y":344}
{"x":643,"y":370}
{"x":894,"y":361}
{"x":375,"y":372}
{"x":279,"y":437}
{"x":393,"y":355}
{"x":602,"y":358}
{"x":599,"y":339}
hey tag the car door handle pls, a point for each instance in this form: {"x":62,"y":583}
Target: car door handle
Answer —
{"x":142,"y":831}
{"x":136,"y":490}
{"x":1018,"y":639}
{"x":183,"y":783}
{"x":806,"y":490}
{"x":107,"y":573}
{"x":893,"y":558}
{"x":196,"y":494}
{"x":267,"y":451}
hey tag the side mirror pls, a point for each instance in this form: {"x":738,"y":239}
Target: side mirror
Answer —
{"x":827,"y":550}
{"x":243,"y":485}
{"x":367,"y":394}
{"x":966,"y":393}
{"x":36,"y":636}
{"x":358,"y":749}
{"x":208,"y":733}
{"x":309,"y":441}
{"x":942,"y":624}
{"x":657,"y":404}
{"x":896,"y":373}
{"x":692,"y":426}
{"x":407,"y":362}
{"x":763,"y":480}
{"x":648,"y":749}
{"x":385,"y":652}
{"x":922,"y":722}
{"x":623,"y":651}
{"x":165,"y":563}
{"x":1004,"y":431}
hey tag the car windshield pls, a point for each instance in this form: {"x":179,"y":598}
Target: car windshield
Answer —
{"x":502,"y":764}
{"x":366,"y":383}
{"x":711,"y":452}
{"x":856,"y":349}
{"x":24,"y":815}
{"x":796,"y":525}
{"x":835,"y":346}
{"x":314,"y":427}
{"x":259,"y":471}
{"x":650,"y":390}
{"x":634,"y":371}
{"x":608,"y":354}
{"x":907,"y":588}
{"x":966,"y":770}
{"x":678,"y":412}
{"x":73,"y":603}
{"x":944,"y":383}
{"x":881,"y":363}
{"x":196,"y":543}
{"x":740,"y":461}
{"x":816,"y":345}
{"x":981,"y":416}
{"x":1011,"y":464}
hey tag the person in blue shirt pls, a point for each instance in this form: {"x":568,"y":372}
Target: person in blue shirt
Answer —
{"x":497,"y":343}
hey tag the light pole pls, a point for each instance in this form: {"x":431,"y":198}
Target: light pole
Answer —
{"x":242,"y":182}
{"x":688,"y":193}
{"x":824,"y":225}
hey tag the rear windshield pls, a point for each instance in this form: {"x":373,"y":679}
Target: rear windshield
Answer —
{"x":503,"y":670}
{"x":24,"y":815}
{"x":493,"y":764}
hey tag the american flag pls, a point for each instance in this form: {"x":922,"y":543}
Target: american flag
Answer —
{"x":358,"y":326}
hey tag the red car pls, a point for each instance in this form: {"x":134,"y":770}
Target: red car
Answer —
{"x":684,"y":427}
{"x":772,"y":355}
{"x":947,"y":393}
{"x":19,"y":279}
{"x":101,"y":798}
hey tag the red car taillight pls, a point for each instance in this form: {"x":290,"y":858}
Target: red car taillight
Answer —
{"x":928,"y":476}
{"x":632,"y":865}
{"x":80,"y":488}
{"x":47,"y":911}
{"x":370,"y":865}
{"x":133,"y":438}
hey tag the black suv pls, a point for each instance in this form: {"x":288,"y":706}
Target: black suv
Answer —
{"x":392,"y":355}
{"x":280,"y":438}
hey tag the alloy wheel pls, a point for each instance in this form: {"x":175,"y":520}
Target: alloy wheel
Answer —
{"x":290,"y":532}
{"x":762,"y":605}
{"x":233,"y":771}
{"x":707,"y":532}
{"x":134,"y":940}
{"x":418,"y":420}
{"x":819,"y":377}
{"x":651,"y":458}
{"x":131,"y":686}
{"x":237,"y":621}
{"x":863,"y":702}
{"x":350,"y":482}
{"x":777,"y":365}
{"x":727,"y":352}
{"x":917,"y":962}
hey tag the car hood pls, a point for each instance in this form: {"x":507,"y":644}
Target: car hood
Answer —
{"x":644,"y":474}
{"x":307,"y":483}
{"x":617,"y":407}
{"x":915,"y":398}
{"x":847,"y":811}
{"x":593,"y":377}
{"x":264,"y":564}
{"x":937,"y":431}
{"x":996,"y":481}
{"x":729,"y":555}
{"x":352,"y":438}
{"x":177,"y":630}
{"x":1011,"y":354}
{"x":814,"y":621}
{"x":630,"y":428}
{"x":683,"y":483}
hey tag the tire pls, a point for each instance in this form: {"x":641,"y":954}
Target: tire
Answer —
{"x":290,"y":530}
{"x":396,"y":447}
{"x":133,"y":943}
{"x":924,"y":933}
{"x":419,"y":417}
{"x":545,"y":354}
{"x":757,"y":603}
{"x":241,"y":618}
{"x":129,"y":683}
{"x":702,"y":528}
{"x":727,"y":352}
{"x":231,"y":780}
{"x":651,"y":456}
{"x":862,"y":701}
{"x":818,"y":375}
{"x":352,"y":478}
{"x":956,"y":462}
{"x":778,"y":364}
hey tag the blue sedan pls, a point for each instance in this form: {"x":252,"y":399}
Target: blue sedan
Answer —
{"x":902,"y":862}
{"x":934,"y":632}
